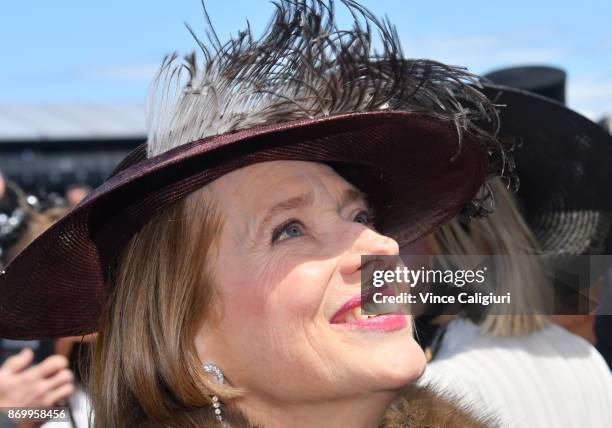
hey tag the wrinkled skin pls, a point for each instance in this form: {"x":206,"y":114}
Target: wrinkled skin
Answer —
{"x":281,"y":278}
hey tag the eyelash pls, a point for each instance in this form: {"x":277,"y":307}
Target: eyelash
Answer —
{"x":280,"y":229}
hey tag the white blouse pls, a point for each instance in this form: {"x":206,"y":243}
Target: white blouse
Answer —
{"x":551,"y":378}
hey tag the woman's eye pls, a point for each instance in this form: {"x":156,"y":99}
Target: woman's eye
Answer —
{"x":287,"y":230}
{"x":363,"y":217}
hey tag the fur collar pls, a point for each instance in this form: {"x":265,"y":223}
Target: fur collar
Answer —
{"x":415,"y":407}
{"x":418,"y":406}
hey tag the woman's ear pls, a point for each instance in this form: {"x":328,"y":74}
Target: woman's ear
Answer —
{"x":202,"y":343}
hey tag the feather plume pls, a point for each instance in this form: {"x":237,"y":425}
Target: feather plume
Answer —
{"x":305,"y":66}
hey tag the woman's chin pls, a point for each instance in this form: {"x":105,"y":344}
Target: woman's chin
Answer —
{"x":391,"y":360}
{"x":401,"y":365}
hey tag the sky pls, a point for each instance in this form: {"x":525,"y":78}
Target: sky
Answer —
{"x":93,"y":51}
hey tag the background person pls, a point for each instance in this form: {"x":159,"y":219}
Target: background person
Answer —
{"x":530,"y":372}
{"x":2,"y":185}
{"x":31,"y":379}
{"x":43,"y":385}
{"x":563,"y":164}
{"x":75,"y":193}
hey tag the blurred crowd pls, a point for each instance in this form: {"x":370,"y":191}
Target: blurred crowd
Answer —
{"x":47,"y":372}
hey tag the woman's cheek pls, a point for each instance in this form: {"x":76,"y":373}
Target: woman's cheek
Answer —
{"x":282,"y":281}
{"x":304,"y":287}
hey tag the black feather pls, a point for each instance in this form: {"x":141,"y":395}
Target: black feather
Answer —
{"x":304,"y":65}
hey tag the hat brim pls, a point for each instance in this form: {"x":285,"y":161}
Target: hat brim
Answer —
{"x":409,"y":165}
{"x":563,"y":162}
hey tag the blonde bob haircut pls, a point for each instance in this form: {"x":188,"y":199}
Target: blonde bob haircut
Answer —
{"x":144,"y":363}
{"x":503,"y":232}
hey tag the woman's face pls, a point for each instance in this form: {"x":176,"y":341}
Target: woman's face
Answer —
{"x":2,"y":187}
{"x":288,"y":261}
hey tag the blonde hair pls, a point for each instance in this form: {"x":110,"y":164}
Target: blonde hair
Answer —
{"x":145,"y":367}
{"x":503,"y":232}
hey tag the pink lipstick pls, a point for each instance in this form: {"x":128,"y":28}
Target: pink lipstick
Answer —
{"x":349,"y":316}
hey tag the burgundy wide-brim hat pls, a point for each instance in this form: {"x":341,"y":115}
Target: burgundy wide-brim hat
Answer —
{"x":414,"y":169}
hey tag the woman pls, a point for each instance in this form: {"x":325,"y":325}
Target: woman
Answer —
{"x":512,"y":359}
{"x":223,"y":258}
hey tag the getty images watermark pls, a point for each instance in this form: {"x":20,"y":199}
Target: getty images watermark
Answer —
{"x":414,"y":277}
{"x":498,"y":284}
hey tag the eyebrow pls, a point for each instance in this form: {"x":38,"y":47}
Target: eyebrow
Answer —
{"x":348,"y":197}
{"x":299,"y":201}
{"x":352,"y":195}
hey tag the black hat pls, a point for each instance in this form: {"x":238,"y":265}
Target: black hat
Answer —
{"x":541,"y":79}
{"x":563,"y":161}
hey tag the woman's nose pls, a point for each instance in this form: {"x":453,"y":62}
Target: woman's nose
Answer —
{"x":370,"y":242}
{"x":367,"y":243}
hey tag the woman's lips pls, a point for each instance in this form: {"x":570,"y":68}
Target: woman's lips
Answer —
{"x":350,"y":316}
{"x":387,"y":322}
